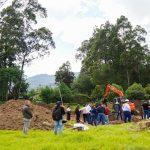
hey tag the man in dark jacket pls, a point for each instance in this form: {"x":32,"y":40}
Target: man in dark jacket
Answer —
{"x":145,"y":106}
{"x":57,"y":116}
{"x":101,"y":114}
{"x":118,"y":110}
{"x":27,"y":115}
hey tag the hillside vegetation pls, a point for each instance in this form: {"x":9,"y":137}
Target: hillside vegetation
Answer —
{"x":112,"y":137}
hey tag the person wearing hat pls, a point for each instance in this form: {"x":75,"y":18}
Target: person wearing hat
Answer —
{"x":118,"y":110}
{"x":57,"y":116}
{"x":126,"y":111}
{"x":27,"y":115}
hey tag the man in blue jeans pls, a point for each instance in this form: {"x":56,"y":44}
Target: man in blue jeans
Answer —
{"x":146,"y":108}
{"x":126,"y":111}
{"x":57,"y":116}
{"x":101,"y":114}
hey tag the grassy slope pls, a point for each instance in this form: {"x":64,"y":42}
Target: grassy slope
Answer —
{"x":110,"y":137}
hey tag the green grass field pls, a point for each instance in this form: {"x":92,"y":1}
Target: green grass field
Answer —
{"x":111,"y":137}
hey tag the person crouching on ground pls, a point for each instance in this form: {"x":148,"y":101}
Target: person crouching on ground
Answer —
{"x":57,"y":116}
{"x":126,"y":111}
{"x":27,"y":115}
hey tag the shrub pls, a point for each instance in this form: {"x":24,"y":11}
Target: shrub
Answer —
{"x":66,"y":93}
{"x":81,"y":98}
{"x":147,"y":91}
{"x":135,"y":91}
{"x":97,"y":92}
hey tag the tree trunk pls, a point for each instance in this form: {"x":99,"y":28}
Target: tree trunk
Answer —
{"x":20,"y":79}
{"x":128,"y":77}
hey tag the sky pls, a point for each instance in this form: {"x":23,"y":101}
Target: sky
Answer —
{"x":73,"y":21}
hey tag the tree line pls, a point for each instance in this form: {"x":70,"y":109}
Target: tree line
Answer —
{"x":116,"y":54}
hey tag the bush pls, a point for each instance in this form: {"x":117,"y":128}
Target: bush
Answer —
{"x":81,"y":98}
{"x":97,"y":93}
{"x":66,"y":93}
{"x":46,"y":94}
{"x":147,"y":91}
{"x":135,"y":91}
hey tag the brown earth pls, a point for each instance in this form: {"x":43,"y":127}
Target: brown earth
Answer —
{"x":11,"y":116}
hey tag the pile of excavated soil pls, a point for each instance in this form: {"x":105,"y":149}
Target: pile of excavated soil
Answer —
{"x":11,"y":116}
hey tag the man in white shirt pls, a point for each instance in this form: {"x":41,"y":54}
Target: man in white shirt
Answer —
{"x":88,"y":109}
{"x":126,"y":111}
{"x":83,"y":110}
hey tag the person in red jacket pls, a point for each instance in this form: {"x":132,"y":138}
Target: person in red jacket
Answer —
{"x":107,"y":112}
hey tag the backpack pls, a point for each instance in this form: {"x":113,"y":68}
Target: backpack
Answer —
{"x":57,"y":115}
{"x":132,"y":106}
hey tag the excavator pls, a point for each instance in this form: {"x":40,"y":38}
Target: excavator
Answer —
{"x":115,"y":90}
{"x":119,"y":99}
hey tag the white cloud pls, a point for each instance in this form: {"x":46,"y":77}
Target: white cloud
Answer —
{"x":49,"y":65}
{"x":72,"y":21}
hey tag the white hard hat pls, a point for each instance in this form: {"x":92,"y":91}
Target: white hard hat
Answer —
{"x":126,"y":100}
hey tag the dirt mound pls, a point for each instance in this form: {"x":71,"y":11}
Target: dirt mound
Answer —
{"x":11,"y":116}
{"x":142,"y":125}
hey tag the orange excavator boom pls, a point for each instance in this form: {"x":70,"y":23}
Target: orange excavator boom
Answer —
{"x":114,"y":89}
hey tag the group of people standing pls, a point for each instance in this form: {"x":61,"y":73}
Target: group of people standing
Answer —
{"x":93,"y":114}
{"x":126,"y":110}
{"x":123,"y":111}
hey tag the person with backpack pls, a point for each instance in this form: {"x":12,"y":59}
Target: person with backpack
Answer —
{"x":27,"y":115}
{"x":57,"y":116}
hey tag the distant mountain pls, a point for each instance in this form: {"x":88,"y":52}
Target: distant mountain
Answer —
{"x":41,"y":80}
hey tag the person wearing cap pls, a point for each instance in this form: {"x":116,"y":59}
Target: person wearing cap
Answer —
{"x":126,"y":111}
{"x":57,"y":116}
{"x":27,"y":115}
{"x":118,"y":110}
